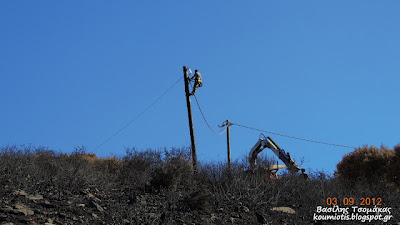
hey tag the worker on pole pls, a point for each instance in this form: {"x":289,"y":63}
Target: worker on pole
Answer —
{"x":198,"y":82}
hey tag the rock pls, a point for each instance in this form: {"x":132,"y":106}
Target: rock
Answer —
{"x":80,"y":205}
{"x":213,"y":217}
{"x":35,"y":197}
{"x":95,"y":216}
{"x":245,"y":209}
{"x":232,"y":220}
{"x":20,"y":193}
{"x":47,"y":204}
{"x":22,"y":209}
{"x":284,"y":209}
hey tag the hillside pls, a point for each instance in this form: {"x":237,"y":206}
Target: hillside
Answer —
{"x":40,"y":186}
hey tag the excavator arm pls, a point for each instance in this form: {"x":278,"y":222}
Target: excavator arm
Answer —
{"x":267,"y":142}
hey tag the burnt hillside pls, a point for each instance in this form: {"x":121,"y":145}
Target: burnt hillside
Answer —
{"x":40,"y":186}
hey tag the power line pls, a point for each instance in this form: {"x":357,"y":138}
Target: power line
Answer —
{"x":205,"y":120}
{"x":252,"y":128}
{"x":132,"y":120}
{"x":283,"y":135}
{"x":208,"y":125}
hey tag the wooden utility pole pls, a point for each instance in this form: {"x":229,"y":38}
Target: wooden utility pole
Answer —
{"x":189,"y":107}
{"x":228,"y":143}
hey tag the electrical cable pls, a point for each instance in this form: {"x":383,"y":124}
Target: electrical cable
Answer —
{"x":205,"y":120}
{"x":283,"y":135}
{"x":132,"y":120}
{"x":208,"y":125}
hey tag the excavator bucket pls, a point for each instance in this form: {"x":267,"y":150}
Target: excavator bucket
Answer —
{"x":276,"y":167}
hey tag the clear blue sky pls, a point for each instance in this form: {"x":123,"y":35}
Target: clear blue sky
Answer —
{"x":74,"y":72}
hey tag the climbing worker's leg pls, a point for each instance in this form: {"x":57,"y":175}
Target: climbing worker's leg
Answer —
{"x":195,"y":86}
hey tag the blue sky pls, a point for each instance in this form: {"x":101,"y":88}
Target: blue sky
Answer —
{"x":73,"y":73}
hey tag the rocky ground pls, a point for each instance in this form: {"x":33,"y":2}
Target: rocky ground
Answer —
{"x":120,"y":206}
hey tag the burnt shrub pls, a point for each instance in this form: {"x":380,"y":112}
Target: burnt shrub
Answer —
{"x":41,"y":169}
{"x":178,"y":163}
{"x":137,"y":167}
{"x":198,"y":200}
{"x":368,"y":164}
{"x":176,"y":172}
{"x":395,"y":166}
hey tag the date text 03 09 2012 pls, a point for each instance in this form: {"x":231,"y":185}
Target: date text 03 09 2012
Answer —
{"x":351,"y":201}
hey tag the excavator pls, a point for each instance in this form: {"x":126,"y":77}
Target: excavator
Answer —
{"x":267,"y":142}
